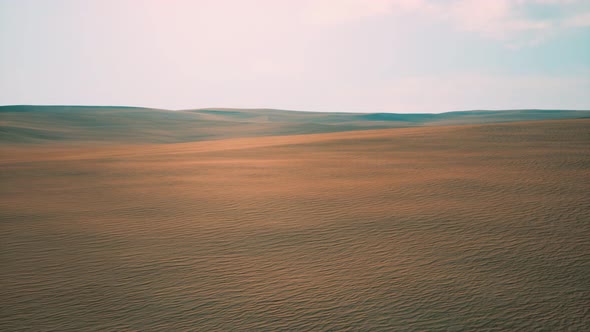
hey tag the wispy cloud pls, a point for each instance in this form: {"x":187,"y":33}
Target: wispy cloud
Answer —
{"x":518,"y":22}
{"x":580,"y":20}
{"x":515,"y":22}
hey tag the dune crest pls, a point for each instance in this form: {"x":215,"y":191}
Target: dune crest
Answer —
{"x":133,"y":125}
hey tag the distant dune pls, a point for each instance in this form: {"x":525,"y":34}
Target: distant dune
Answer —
{"x":89,"y":124}
{"x":471,"y":227}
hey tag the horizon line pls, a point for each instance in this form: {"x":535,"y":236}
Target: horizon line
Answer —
{"x":284,"y":110}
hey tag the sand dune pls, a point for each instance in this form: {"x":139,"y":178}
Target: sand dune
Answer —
{"x":451,"y":227}
{"x":107,"y":125}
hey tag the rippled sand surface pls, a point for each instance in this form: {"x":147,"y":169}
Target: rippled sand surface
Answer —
{"x":444,"y":228}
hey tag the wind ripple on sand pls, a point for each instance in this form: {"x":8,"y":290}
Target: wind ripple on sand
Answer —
{"x":460,"y":228}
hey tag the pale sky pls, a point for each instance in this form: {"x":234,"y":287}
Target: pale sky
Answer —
{"x":400,"y":56}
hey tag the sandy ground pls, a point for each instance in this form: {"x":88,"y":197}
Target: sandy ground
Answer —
{"x":468,"y":226}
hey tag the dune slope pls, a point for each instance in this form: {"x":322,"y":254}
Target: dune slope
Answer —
{"x":468,"y":227}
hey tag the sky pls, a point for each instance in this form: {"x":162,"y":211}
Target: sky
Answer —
{"x":399,"y":56}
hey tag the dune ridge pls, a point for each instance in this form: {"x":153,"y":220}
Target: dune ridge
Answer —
{"x":108,"y":125}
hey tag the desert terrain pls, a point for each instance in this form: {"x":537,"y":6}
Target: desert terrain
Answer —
{"x":262,"y":220}
{"x":25,"y":124}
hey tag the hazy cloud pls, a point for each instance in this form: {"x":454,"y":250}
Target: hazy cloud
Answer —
{"x":516,"y":22}
{"x":324,"y":55}
{"x":580,"y":20}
